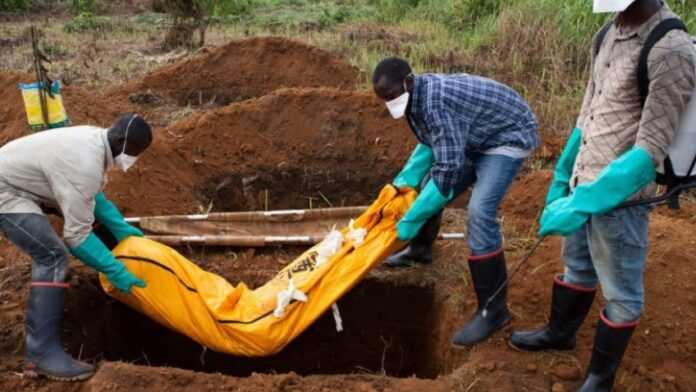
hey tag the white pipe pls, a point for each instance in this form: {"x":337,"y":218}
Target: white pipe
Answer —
{"x":283,"y":212}
{"x":278,"y":240}
{"x":452,"y":236}
{"x":197,"y":217}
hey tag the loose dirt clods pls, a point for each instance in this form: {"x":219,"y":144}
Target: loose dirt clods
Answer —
{"x":235,"y":134}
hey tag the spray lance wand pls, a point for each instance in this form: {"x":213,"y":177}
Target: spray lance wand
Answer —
{"x":41,"y":76}
{"x":670,"y":197}
{"x":524,"y":260}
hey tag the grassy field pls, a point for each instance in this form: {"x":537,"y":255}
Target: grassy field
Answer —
{"x":540,"y":47}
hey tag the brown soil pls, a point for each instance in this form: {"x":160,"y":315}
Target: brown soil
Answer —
{"x":246,"y":69}
{"x":12,"y":115}
{"x":278,"y":150}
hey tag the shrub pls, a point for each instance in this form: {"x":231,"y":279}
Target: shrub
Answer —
{"x":86,"y":21}
{"x":14,"y":5}
{"x":80,"y":7}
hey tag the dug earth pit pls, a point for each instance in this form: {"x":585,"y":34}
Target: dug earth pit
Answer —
{"x":387,"y":330}
{"x":396,"y":322}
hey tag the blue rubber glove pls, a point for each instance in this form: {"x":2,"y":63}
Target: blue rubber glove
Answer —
{"x":428,"y":203}
{"x":564,"y":168}
{"x":95,"y":254}
{"x":622,"y":178}
{"x":416,"y":168}
{"x":108,"y":214}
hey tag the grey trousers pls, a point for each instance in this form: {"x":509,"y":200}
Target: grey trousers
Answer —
{"x":33,"y":234}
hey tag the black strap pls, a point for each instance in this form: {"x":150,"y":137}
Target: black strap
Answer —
{"x":192,"y":289}
{"x":160,"y":265}
{"x":668,"y":178}
{"x":691,"y":167}
{"x":655,"y":36}
{"x":600,"y":37}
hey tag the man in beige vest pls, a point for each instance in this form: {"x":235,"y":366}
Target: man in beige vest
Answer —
{"x":627,"y":123}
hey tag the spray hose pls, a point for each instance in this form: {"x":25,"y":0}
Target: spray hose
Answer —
{"x":524,"y":260}
{"x":671,"y":197}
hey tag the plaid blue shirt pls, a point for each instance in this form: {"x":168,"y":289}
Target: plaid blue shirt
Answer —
{"x":459,"y":114}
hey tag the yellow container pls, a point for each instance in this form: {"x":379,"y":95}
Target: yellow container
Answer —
{"x":57,"y":117}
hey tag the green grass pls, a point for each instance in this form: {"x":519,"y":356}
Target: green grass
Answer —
{"x":540,"y":47}
{"x":14,"y":5}
{"x":86,"y":21}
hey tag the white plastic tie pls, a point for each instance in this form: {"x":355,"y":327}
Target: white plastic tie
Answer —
{"x":193,"y":238}
{"x":285,"y":239}
{"x":286,"y":296}
{"x":356,"y":235}
{"x":329,"y":246}
{"x":337,"y":317}
{"x":197,"y":217}
{"x":453,"y":236}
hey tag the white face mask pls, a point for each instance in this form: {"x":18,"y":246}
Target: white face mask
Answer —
{"x":397,"y":106}
{"x":601,"y":6}
{"x":123,"y":160}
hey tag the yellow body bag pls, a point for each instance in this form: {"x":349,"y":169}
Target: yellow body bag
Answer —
{"x":57,"y":117}
{"x":236,"y":320}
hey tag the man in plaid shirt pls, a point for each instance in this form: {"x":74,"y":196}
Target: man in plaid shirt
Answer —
{"x":472,"y":131}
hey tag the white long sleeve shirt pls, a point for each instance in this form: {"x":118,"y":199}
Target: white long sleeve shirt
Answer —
{"x":64,"y":168}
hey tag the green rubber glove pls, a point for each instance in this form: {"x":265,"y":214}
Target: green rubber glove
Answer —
{"x":95,"y":254}
{"x":428,"y":203}
{"x":564,"y":168}
{"x":622,"y":178}
{"x":108,"y":214}
{"x":416,"y":168}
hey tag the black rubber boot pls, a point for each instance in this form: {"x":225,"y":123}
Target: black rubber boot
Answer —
{"x":487,"y":273}
{"x":45,"y":355}
{"x":420,"y":250}
{"x":611,"y":341}
{"x":569,"y":307}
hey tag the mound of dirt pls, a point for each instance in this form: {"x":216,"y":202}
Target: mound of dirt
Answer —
{"x":294,"y":148}
{"x":246,"y":69}
{"x":13,"y":119}
{"x":83,"y":106}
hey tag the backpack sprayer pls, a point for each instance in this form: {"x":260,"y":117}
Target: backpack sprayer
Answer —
{"x":42,"y":99}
